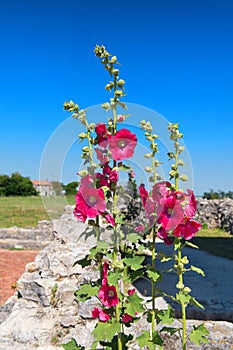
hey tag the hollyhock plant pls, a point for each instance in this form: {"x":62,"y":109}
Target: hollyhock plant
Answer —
{"x":122,"y":144}
{"x":168,"y":214}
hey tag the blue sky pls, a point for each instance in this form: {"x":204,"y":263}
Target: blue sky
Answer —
{"x":176,"y":56}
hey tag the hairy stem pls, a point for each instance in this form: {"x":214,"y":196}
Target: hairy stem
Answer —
{"x":153,"y":264}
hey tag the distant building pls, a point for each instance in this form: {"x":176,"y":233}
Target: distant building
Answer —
{"x":45,"y":188}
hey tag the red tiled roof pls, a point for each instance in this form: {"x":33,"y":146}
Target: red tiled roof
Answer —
{"x":41,"y":183}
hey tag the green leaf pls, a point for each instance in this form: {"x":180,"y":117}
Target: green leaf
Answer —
{"x":101,"y":247}
{"x":196,"y":303}
{"x":197,"y":270}
{"x":135,"y":263}
{"x":191,"y":245}
{"x":133,"y":237}
{"x":198,"y":334}
{"x":113,"y":277}
{"x":106,"y":330}
{"x":72,"y":345}
{"x":170,"y":330}
{"x":134,"y":305}
{"x":83,"y":262}
{"x":144,"y":340}
{"x":183,"y":298}
{"x":154,"y":275}
{"x":166,"y":316}
{"x":156,"y":339}
{"x":86,"y":291}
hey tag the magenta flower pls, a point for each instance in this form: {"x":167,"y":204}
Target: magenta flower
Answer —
{"x":131,"y":291}
{"x":105,"y":275}
{"x":90,"y":202}
{"x":122,"y":144}
{"x":101,"y":314}
{"x":108,"y":296}
{"x":143,"y":194}
{"x":162,"y":234}
{"x":127,"y":318}
{"x":187,"y":228}
{"x":102,"y":135}
{"x":190,"y":207}
{"x":101,"y":180}
{"x":110,"y":219}
{"x":172,"y":213}
{"x":113,"y":176}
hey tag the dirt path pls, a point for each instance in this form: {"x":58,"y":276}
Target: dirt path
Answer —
{"x":12,"y":265}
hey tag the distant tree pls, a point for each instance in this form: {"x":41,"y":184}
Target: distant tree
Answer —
{"x":17,"y":185}
{"x":218,"y":195}
{"x":4,"y":179}
{"x":71,"y":188}
{"x":57,"y":187}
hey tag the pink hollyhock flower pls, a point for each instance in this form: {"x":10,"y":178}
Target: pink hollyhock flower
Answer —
{"x":187,"y":228}
{"x":101,"y":180}
{"x":127,"y":318}
{"x":143,"y":194}
{"x":122,"y":144}
{"x":100,"y":129}
{"x":131,"y":291}
{"x":161,"y":191}
{"x":87,"y":181}
{"x":106,"y":169}
{"x":172,"y":213}
{"x":139,"y":228}
{"x":162,"y":234}
{"x":191,"y":206}
{"x":101,"y":314}
{"x":90,"y":202}
{"x":113,"y":176}
{"x":110,"y":219}
{"x":108,"y":296}
{"x":102,"y":135}
{"x":105,"y":275}
{"x":120,"y":118}
{"x":102,"y":158}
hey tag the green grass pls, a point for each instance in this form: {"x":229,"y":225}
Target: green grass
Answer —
{"x":27,"y":211}
{"x":215,"y":241}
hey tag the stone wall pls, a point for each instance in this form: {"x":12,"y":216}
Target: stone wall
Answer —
{"x":216,"y":213}
{"x":27,"y":238}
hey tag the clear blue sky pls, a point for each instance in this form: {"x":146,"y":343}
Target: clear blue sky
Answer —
{"x":176,"y":56}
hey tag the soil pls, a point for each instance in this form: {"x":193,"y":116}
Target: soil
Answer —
{"x":12,"y":265}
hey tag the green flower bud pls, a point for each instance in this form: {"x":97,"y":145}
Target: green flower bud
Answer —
{"x":115,"y":72}
{"x":106,"y":106}
{"x":148,"y":169}
{"x":148,"y":155}
{"x":82,"y":173}
{"x":82,"y":135}
{"x":120,"y":83}
{"x":113,"y":59}
{"x":183,"y":177}
{"x":181,"y":162}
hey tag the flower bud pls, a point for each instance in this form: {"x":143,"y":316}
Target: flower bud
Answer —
{"x":148,"y":169}
{"x":183,"y":177}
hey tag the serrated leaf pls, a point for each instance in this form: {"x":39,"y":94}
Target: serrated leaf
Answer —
{"x":198,"y":334}
{"x":156,"y":339}
{"x":134,"y":305}
{"x":144,"y":340}
{"x":135,"y":263}
{"x":133,"y":237}
{"x":86,"y":291}
{"x":114,"y":277}
{"x":106,"y":330}
{"x":72,"y":345}
{"x":166,"y":316}
{"x":154,"y":275}
{"x":197,"y":270}
{"x":183,"y":298}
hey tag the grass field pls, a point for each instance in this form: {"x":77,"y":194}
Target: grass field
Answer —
{"x":26,"y":211}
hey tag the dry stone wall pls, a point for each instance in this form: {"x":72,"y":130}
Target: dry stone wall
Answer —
{"x":216,"y":213}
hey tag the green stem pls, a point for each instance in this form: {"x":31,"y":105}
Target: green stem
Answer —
{"x":153,"y":264}
{"x":183,"y":306}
